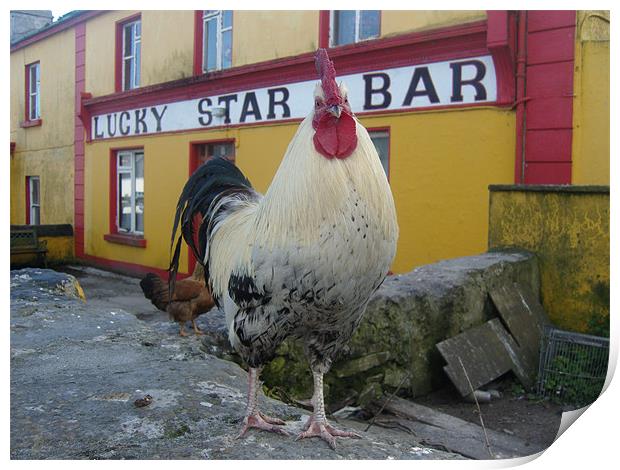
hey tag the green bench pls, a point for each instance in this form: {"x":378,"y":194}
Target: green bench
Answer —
{"x":24,"y":241}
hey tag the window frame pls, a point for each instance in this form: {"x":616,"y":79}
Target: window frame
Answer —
{"x":132,"y":237}
{"x":29,"y":119}
{"x":200,"y":49}
{"x":194,"y":164}
{"x":358,"y":16}
{"x":387,"y":131}
{"x":30,"y":204}
{"x":120,"y":54}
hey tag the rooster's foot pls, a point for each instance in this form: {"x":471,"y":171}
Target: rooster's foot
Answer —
{"x":325,"y":431}
{"x":261,"y":421}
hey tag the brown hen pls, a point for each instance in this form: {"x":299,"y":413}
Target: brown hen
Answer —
{"x":190,"y":298}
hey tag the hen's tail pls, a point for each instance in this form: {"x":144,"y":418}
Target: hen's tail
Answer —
{"x":155,"y":290}
{"x":206,"y":198}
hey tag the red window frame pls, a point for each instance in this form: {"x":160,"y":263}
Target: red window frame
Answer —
{"x":27,"y":122}
{"x":118,"y":51}
{"x":199,"y":43}
{"x":114,"y":236}
{"x":326,"y":18}
{"x":193,"y":166}
{"x":389,"y":137}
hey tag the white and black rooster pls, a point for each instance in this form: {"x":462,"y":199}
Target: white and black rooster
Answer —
{"x":303,"y":260}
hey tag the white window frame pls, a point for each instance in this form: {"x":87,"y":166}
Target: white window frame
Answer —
{"x":34,"y":204}
{"x":218,"y":17}
{"x":358,"y":17}
{"x":34,"y":91}
{"x":136,"y":42}
{"x":130,"y":170}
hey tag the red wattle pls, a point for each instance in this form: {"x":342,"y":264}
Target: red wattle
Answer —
{"x":335,"y":138}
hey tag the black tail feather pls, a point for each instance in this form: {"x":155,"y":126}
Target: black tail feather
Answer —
{"x":215,"y":177}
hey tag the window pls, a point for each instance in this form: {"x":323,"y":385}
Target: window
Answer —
{"x":129,"y":36}
{"x":130,"y":191}
{"x":216,"y":40}
{"x":33,"y":200}
{"x":381,"y":139}
{"x":349,"y":26}
{"x":211,"y":150}
{"x":33,"y":94}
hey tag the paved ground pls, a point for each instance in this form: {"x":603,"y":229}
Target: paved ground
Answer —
{"x":77,"y":369}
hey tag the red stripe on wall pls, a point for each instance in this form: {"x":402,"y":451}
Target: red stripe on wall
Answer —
{"x":549,"y":90}
{"x":78,"y":209}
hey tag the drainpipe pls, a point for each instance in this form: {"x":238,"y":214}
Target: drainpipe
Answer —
{"x":521,"y":98}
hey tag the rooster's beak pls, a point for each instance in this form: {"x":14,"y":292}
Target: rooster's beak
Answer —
{"x":335,"y":110}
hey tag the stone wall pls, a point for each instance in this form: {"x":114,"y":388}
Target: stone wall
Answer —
{"x":405,"y":319}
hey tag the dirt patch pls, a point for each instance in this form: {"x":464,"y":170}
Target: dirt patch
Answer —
{"x":516,"y":413}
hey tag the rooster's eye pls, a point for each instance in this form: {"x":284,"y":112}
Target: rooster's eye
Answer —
{"x":317,"y":103}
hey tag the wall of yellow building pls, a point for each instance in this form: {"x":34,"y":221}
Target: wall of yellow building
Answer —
{"x":46,"y":150}
{"x":167,"y":48}
{"x":266,"y":35}
{"x":569,"y":232}
{"x":404,"y":21}
{"x":441,"y":165}
{"x":591,"y":124}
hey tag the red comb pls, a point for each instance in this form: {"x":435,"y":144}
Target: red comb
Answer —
{"x":327,"y":72}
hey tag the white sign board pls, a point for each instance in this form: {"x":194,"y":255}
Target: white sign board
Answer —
{"x":449,"y":83}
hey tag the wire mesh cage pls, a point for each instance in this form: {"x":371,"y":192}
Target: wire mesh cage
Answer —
{"x":573,"y":366}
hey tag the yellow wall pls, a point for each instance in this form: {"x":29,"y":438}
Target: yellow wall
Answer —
{"x":591,"y":104}
{"x":441,"y":165}
{"x":59,"y":251}
{"x":268,"y":35}
{"x":45,"y":150}
{"x":402,"y":21}
{"x":569,"y":232}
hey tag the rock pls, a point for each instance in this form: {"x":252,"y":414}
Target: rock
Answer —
{"x":77,"y":369}
{"x":407,"y":316}
{"x":361,"y":364}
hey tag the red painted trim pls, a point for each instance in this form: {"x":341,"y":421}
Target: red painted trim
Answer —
{"x":501,"y":42}
{"x":33,"y":123}
{"x":81,"y":18}
{"x":123,"y":239}
{"x":112,"y":205}
{"x":131,"y":269}
{"x":324,"y":24}
{"x":450,"y":43}
{"x":520,"y":97}
{"x":198,"y":42}
{"x":546,"y":118}
{"x":193,"y":166}
{"x":78,"y":139}
{"x":118,"y":50}
{"x":388,"y":130}
{"x":27,"y":200}
{"x":114,"y":235}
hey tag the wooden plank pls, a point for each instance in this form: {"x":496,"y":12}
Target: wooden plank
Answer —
{"x":439,"y":429}
{"x":525,"y":320}
{"x":486,"y":352}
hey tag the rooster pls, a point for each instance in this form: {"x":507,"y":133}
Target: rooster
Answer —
{"x":303,"y":260}
{"x":190,"y":297}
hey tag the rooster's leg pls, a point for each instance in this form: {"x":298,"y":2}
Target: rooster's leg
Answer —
{"x":317,"y":425}
{"x":253,"y":417}
{"x":197,"y":330}
{"x":182,"y":329}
